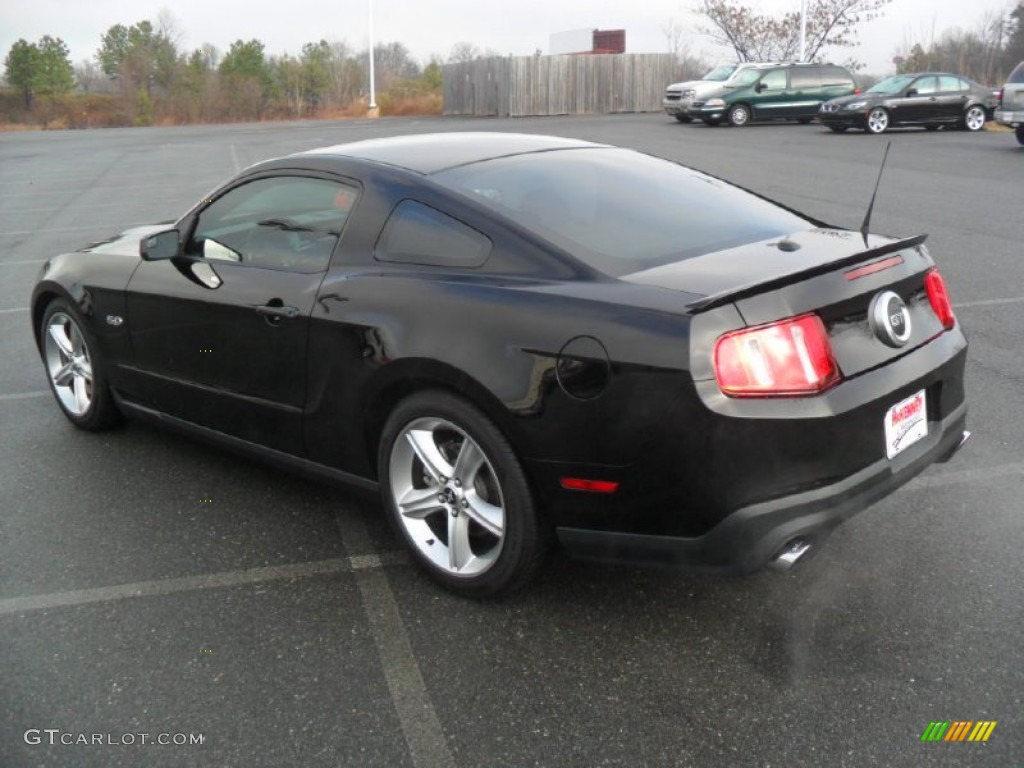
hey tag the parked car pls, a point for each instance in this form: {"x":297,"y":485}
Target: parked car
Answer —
{"x":679,"y":96}
{"x":929,"y":99}
{"x":783,"y":92}
{"x":1010,"y":111}
{"x":505,"y":336}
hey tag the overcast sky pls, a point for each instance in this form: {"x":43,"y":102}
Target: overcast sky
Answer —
{"x":426,"y":27}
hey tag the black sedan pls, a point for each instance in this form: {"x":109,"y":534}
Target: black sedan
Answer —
{"x":522,"y":339}
{"x":929,"y":99}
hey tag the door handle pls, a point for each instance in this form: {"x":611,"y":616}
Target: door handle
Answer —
{"x":277,"y":311}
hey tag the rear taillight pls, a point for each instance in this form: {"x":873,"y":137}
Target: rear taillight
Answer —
{"x":938,"y":297}
{"x":999,"y":98}
{"x":856,"y":91}
{"x":790,"y":357}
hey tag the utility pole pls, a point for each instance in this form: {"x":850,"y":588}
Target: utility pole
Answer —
{"x":372,"y":112}
{"x":803,"y":30}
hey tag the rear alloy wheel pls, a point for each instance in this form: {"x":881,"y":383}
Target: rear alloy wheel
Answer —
{"x":739,"y":115}
{"x":878,"y":121}
{"x":455,"y":492}
{"x":1019,"y":133}
{"x":73,"y":368}
{"x":974,"y":119}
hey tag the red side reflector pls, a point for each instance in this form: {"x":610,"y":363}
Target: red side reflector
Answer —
{"x":790,"y":357}
{"x":938,"y":297}
{"x":876,"y":266}
{"x":595,"y":486}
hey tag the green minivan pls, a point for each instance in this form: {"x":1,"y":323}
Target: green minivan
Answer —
{"x":780,"y":92}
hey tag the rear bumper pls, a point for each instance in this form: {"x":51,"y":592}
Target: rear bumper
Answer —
{"x":1012,"y":118}
{"x":753,"y":536}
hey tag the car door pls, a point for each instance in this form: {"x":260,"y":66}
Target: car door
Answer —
{"x":220,"y":333}
{"x":771,"y":98}
{"x":950,"y":99}
{"x":919,"y":102}
{"x":804,"y":92}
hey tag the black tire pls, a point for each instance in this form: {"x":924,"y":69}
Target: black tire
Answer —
{"x":877,"y":121}
{"x":739,"y":115}
{"x":1019,"y":133}
{"x":75,"y":369}
{"x":683,"y":118}
{"x":500,"y":539}
{"x":838,"y":128}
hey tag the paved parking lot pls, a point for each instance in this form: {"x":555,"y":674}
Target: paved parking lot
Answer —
{"x":152,"y":585}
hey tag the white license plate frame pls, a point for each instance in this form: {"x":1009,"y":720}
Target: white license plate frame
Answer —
{"x":906,"y":423}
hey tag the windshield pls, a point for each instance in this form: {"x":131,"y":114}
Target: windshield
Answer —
{"x":744,"y":77}
{"x":620,"y":211}
{"x":891,"y":85}
{"x":720,"y":73}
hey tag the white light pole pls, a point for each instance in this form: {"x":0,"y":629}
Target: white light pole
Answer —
{"x":803,"y":30}
{"x":373,"y":94}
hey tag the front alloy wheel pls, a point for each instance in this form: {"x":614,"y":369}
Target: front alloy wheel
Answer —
{"x":974,"y":120}
{"x":457,"y":495}
{"x":878,"y":120}
{"x":74,"y":370}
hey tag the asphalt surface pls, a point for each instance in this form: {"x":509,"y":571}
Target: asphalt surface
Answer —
{"x":152,"y":585}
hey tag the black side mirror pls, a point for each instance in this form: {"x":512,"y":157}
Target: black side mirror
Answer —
{"x":162,"y":245}
{"x":760,"y":87}
{"x":911,"y":92}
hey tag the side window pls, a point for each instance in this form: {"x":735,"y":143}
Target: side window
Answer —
{"x":418,"y":234}
{"x":926,"y":86}
{"x":950,"y":84}
{"x":289,"y":223}
{"x":804,"y":78}
{"x":774,"y":80}
{"x":835,"y":76}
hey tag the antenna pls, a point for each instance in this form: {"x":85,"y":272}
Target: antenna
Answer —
{"x":871,"y":205}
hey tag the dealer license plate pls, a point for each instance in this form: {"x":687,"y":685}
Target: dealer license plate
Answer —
{"x":905,"y":424}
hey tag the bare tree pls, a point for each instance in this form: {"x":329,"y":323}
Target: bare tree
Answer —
{"x":756,"y":37}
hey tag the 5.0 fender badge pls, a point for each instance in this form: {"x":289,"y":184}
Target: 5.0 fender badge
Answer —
{"x":890,"y":319}
{"x":114,"y":320}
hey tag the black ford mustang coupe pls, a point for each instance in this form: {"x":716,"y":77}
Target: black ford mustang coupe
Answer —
{"x":518,"y":339}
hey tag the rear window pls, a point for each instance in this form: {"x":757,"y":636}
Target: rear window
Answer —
{"x":620,"y":211}
{"x":804,"y":77}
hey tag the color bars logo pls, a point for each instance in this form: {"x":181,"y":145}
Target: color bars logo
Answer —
{"x":958,"y":730}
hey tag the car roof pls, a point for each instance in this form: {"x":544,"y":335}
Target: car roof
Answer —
{"x":432,"y":152}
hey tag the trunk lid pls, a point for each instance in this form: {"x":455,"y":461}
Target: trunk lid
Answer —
{"x":829,"y":272}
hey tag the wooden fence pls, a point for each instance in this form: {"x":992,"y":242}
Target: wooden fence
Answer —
{"x":558,"y":85}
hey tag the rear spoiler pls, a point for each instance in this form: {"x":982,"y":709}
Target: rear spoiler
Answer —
{"x":734,"y":294}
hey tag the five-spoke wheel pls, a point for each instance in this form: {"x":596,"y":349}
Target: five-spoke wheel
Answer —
{"x":457,"y":495}
{"x":877,"y":120}
{"x":974,"y":119}
{"x":74,"y":371}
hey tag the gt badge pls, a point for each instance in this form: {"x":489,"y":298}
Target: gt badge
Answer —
{"x":890,"y":319}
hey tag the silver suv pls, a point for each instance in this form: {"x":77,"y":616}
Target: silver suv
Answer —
{"x":1011,"y":103}
{"x":679,"y":96}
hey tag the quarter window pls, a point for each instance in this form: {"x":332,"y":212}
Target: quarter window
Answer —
{"x":288,"y":223}
{"x":948,"y":84}
{"x":418,"y":234}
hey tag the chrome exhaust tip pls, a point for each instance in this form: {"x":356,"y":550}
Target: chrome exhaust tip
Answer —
{"x":789,"y":555}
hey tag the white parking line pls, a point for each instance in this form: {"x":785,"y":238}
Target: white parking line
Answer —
{"x":25,"y":395}
{"x":32,"y":603}
{"x":13,"y":310}
{"x":416,"y":713}
{"x":940,"y":478}
{"x":988,"y":302}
